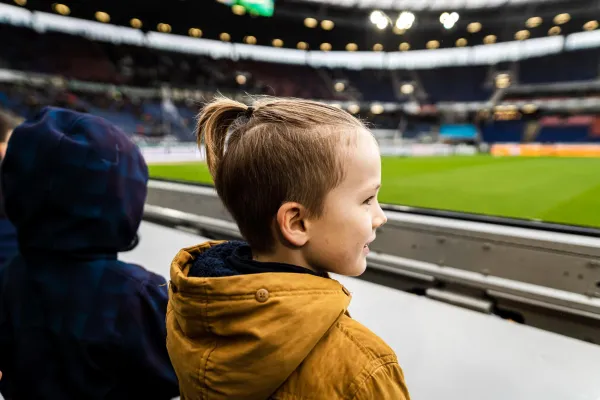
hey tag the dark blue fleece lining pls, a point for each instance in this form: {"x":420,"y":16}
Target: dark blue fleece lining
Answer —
{"x":235,"y":258}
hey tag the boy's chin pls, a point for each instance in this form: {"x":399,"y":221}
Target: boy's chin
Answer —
{"x":358,"y":270}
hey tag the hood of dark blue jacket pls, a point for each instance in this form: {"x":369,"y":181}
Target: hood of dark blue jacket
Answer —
{"x":73,"y":183}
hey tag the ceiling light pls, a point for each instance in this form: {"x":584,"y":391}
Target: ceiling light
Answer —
{"x":490,"y":39}
{"x":135,"y":23}
{"x":102,"y":16}
{"x":474,"y":27}
{"x":405,"y":20}
{"x":351,"y":47}
{"x":398,"y":31}
{"x":529,"y":108}
{"x":407,"y":88}
{"x":195,"y":32}
{"x":448,"y":20}
{"x":339,"y":86}
{"x":562,"y":18}
{"x":226,"y":37}
{"x":502,"y":81}
{"x":522,"y":35}
{"x":462,"y":42}
{"x":533,"y":22}
{"x":353,"y":108}
{"x":327,"y":24}
{"x":555,"y":30}
{"x":590,"y":25}
{"x":379,"y":19}
{"x":249,"y":40}
{"x":404,"y":46}
{"x":302,"y":45}
{"x":241,"y":79}
{"x":238,"y":9}
{"x":433,"y":44}
{"x":381,"y":25}
{"x":277,"y":43}
{"x":164,"y":28}
{"x":61,"y":9}
{"x":325,"y":46}
{"x":310,"y":22}
{"x":21,"y":2}
{"x":377,"y":47}
{"x":376,"y":108}
{"x":377,"y":16}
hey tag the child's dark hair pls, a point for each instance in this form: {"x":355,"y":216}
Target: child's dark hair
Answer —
{"x":275,"y":151}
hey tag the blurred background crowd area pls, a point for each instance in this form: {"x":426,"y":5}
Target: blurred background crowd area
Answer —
{"x":155,"y":94}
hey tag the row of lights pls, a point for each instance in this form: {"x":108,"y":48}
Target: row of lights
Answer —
{"x":376,"y":108}
{"x":326,"y":24}
{"x":473,"y":27}
{"x":404,"y":21}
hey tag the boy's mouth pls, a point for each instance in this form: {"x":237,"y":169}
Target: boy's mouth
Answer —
{"x":366,"y":246}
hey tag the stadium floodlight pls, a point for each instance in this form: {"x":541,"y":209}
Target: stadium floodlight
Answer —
{"x":353,"y":108}
{"x":377,"y":16}
{"x":241,"y":79}
{"x":379,"y":19}
{"x":590,"y":25}
{"x":195,"y":32}
{"x":405,"y":20}
{"x":136,"y":23}
{"x":339,"y":86}
{"x":377,"y":108}
{"x":448,"y":20}
{"x":407,"y":88}
{"x":562,"y":18}
{"x":502,"y":81}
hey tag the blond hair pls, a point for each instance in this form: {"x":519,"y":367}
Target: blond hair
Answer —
{"x":276,"y":151}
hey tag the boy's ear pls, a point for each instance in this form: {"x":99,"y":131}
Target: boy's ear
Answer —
{"x":291,"y":223}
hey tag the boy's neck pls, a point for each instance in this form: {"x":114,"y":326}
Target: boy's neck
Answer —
{"x":285,"y":256}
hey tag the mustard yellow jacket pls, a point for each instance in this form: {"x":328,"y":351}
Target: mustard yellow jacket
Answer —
{"x":277,"y":336}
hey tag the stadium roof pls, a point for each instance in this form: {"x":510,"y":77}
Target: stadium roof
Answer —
{"x":416,"y":5}
{"x":319,"y":24}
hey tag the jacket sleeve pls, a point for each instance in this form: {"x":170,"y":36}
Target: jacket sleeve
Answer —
{"x":144,"y":340}
{"x":384,"y":382}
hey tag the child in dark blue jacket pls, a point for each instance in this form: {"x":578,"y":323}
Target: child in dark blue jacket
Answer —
{"x":8,"y":235}
{"x":76,"y":323}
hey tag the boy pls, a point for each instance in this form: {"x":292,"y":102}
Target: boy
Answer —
{"x":263,"y":319}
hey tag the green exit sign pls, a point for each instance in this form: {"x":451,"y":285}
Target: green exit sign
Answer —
{"x":264,"y":8}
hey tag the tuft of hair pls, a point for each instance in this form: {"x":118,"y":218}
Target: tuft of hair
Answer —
{"x":8,"y":122}
{"x":280,"y":150}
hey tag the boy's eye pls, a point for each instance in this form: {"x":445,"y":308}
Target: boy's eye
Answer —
{"x":369,"y":200}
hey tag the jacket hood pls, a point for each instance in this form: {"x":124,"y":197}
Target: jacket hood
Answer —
{"x":73,"y":183}
{"x":242,"y":336}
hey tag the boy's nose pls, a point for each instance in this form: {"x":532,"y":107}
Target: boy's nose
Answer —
{"x":380,"y":218}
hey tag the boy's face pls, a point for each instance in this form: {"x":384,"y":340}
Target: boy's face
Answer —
{"x":339,"y":238}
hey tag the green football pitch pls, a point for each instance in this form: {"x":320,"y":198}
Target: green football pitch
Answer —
{"x":562,"y":190}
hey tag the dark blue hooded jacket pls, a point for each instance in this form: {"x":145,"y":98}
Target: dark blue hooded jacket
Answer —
{"x":76,"y":323}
